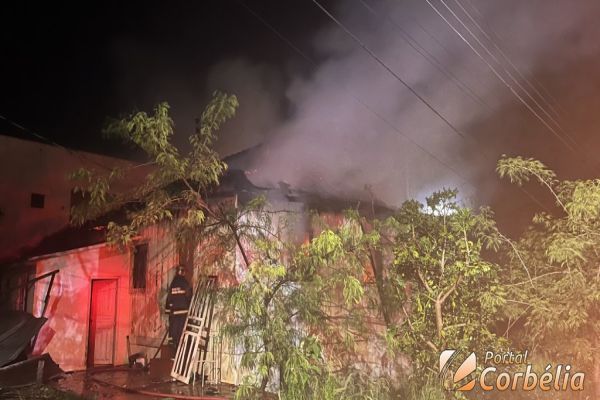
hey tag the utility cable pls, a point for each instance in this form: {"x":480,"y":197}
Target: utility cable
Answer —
{"x":387,"y":68}
{"x":374,"y":56}
{"x":358,"y":100}
{"x":553,"y":103}
{"x":387,"y":122}
{"x":501,"y":78}
{"x":507,"y":71}
{"x":431,"y":59}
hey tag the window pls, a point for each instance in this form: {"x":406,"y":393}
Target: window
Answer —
{"x":37,"y":200}
{"x":140,"y":265}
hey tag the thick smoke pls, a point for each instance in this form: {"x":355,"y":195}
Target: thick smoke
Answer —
{"x":258,"y":88}
{"x":333,"y":144}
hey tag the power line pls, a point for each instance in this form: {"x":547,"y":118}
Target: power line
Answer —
{"x":381,"y":117}
{"x":466,"y":69}
{"x":576,"y":148}
{"x":557,"y":104}
{"x":553,"y":103}
{"x":387,"y":68}
{"x":414,"y":44}
{"x":507,"y":71}
{"x":276,"y":32}
{"x":358,"y":100}
{"x":506,"y":58}
{"x":29,"y":131}
{"x":382,"y":63}
{"x":463,"y":137}
{"x":501,"y":78}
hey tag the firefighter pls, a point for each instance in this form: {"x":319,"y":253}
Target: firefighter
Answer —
{"x":178,"y":302}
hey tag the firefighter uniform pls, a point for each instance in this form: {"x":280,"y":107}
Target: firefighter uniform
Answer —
{"x":178,"y":302}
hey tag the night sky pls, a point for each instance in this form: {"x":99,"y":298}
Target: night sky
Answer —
{"x":339,"y":121}
{"x":65,"y":69}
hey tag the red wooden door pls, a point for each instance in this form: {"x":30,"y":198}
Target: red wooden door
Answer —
{"x":103,"y":313}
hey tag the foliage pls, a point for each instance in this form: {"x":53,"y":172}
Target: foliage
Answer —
{"x":423,"y":389}
{"x":284,"y":313}
{"x":555,"y":311}
{"x":176,"y":181}
{"x":446,"y":293}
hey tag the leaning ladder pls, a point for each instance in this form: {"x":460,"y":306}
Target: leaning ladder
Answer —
{"x":193,"y":344}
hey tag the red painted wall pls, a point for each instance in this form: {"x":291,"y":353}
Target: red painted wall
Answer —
{"x":65,"y":334}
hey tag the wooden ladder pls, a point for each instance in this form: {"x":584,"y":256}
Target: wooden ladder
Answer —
{"x":193,"y":344}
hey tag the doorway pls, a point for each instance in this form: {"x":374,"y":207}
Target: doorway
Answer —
{"x":103,"y":314}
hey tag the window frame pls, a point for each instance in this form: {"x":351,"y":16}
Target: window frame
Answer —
{"x":139,"y":282}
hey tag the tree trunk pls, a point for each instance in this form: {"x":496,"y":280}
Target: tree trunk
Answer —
{"x":263,"y":384}
{"x":376,"y":259}
{"x":439,"y":322}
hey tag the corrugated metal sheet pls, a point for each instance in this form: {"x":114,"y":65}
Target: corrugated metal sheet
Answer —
{"x":17,"y":328}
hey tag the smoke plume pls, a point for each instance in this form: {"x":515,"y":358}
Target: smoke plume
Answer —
{"x":350,"y":123}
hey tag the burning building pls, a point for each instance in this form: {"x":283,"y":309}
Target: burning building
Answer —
{"x":103,"y":304}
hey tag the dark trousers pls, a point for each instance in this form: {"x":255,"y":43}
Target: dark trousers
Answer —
{"x":176,"y":325}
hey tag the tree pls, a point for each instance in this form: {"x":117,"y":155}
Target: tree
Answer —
{"x":177,"y":181}
{"x":554,"y":284}
{"x":446,"y":292}
{"x":285,"y":312}
{"x":303,"y":308}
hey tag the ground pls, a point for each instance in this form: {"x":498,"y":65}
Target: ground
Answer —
{"x":115,"y":384}
{"x":35,"y":392}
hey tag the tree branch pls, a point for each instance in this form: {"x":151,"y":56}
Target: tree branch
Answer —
{"x":412,"y":328}
{"x":506,"y":239}
{"x":424,"y":282}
